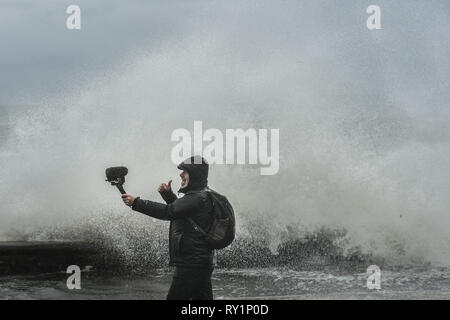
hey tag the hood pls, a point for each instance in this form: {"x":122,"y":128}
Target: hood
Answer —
{"x":197,"y":167}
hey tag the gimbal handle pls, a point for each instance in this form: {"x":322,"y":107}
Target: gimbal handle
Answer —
{"x":121,"y":189}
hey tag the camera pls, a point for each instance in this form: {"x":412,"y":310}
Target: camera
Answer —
{"x":116,"y":176}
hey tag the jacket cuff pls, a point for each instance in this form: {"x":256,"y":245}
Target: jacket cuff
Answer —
{"x":135,"y":203}
{"x":168,"y":196}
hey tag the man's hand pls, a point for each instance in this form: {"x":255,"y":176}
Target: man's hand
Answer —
{"x":165,"y":187}
{"x":128,"y":199}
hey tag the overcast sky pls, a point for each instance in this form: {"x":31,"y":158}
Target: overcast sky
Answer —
{"x":39,"y":56}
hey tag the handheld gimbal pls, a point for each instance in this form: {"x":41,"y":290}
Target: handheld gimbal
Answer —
{"x":116,"y":176}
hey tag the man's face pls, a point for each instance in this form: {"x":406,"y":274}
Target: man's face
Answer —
{"x":184,"y":179}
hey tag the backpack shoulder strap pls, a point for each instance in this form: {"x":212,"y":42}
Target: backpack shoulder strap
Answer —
{"x":192,"y":222}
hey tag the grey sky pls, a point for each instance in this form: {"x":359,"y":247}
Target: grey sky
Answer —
{"x":39,"y":56}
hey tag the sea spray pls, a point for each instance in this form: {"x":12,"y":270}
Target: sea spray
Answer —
{"x":349,"y":160}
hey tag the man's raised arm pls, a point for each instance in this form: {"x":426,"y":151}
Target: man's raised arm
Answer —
{"x":166,"y":192}
{"x":180,"y":208}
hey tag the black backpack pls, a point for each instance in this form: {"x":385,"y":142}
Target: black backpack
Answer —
{"x":223,"y":228}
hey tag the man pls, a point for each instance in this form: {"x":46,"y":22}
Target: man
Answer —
{"x":188,"y":250}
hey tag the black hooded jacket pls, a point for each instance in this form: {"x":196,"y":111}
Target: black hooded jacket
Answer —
{"x":186,"y":246}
